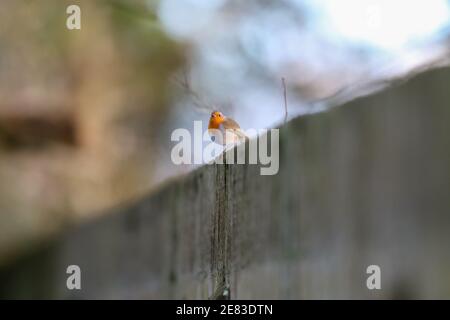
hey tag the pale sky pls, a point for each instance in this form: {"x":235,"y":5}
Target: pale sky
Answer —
{"x":387,"y":24}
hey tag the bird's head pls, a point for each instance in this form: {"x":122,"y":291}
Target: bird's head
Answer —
{"x":216,"y":119}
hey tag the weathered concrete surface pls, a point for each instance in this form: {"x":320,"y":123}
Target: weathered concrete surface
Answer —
{"x":366,"y":183}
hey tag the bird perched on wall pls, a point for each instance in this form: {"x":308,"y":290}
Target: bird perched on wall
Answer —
{"x":224,"y":130}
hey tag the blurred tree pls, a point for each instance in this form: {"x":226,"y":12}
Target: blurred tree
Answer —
{"x":80,"y":111}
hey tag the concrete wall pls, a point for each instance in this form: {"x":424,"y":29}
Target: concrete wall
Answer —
{"x":365,"y":183}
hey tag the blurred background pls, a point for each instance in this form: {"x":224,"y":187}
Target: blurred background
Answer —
{"x":86,"y":115}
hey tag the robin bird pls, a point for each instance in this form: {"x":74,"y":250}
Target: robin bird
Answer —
{"x":224,"y":130}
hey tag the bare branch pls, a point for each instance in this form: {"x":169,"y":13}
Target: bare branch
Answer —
{"x":283,"y":83}
{"x":199,"y":103}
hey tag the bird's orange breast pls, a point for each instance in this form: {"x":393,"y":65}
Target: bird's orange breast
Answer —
{"x":214,"y":123}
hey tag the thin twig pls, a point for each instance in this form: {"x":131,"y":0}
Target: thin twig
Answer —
{"x":199,"y":103}
{"x":283,"y":83}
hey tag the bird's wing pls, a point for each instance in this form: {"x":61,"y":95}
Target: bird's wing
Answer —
{"x":230,"y":124}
